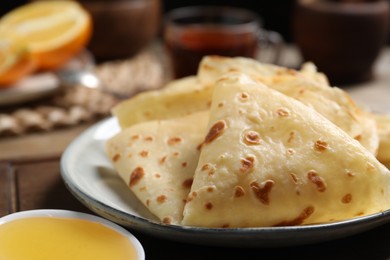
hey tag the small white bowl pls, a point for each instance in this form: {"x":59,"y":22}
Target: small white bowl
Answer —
{"x":76,"y":215}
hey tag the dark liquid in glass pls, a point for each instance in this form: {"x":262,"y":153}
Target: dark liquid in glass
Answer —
{"x":187,"y":54}
{"x":212,"y":34}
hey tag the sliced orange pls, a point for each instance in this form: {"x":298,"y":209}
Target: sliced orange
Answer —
{"x":52,"y":31}
{"x":15,"y":63}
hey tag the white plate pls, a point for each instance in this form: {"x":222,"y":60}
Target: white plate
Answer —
{"x":41,"y":84}
{"x":76,"y":215}
{"x":90,"y":177}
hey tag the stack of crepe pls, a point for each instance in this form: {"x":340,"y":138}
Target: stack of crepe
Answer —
{"x":246,"y":144}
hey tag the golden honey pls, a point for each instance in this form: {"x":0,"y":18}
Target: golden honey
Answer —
{"x":47,"y":238}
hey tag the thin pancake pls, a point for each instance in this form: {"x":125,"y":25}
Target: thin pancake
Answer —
{"x":269,"y":160}
{"x":178,"y":98}
{"x":307,"y":86}
{"x":157,"y":160}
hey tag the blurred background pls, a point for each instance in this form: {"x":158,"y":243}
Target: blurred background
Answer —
{"x":343,"y":44}
{"x":276,"y":14}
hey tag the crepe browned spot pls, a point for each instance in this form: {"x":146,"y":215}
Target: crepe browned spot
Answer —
{"x":269,"y":160}
{"x":157,"y":160}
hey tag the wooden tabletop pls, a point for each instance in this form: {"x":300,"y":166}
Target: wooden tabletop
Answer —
{"x":30,"y":179}
{"x":37,"y":184}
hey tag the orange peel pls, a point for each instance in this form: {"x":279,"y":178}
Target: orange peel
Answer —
{"x":52,"y":31}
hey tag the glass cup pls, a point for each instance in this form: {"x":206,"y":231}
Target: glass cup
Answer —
{"x":195,"y":31}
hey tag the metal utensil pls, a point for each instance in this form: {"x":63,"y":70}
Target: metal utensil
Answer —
{"x":85,"y":78}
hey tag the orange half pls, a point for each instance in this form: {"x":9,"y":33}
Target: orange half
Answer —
{"x":52,"y":31}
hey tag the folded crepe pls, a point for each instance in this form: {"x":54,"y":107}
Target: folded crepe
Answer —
{"x":334,"y":104}
{"x":157,"y":160}
{"x":187,"y":95}
{"x":191,"y":94}
{"x":178,"y":98}
{"x":269,"y":160}
{"x":307,"y":86}
{"x":212,"y":67}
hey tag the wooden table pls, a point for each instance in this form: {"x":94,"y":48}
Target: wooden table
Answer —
{"x":37,"y":184}
{"x":30,"y":179}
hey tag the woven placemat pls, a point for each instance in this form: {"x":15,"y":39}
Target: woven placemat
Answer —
{"x":75,"y":105}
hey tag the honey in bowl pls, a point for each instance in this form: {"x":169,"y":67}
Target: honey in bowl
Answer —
{"x":56,"y":237}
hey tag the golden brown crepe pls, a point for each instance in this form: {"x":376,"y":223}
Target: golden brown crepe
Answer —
{"x":336,"y":105}
{"x":212,"y":67}
{"x":187,"y":95}
{"x":269,"y":160}
{"x":308,"y":87}
{"x":285,"y":157}
{"x":178,"y":98}
{"x":191,"y":94}
{"x":157,"y":160}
